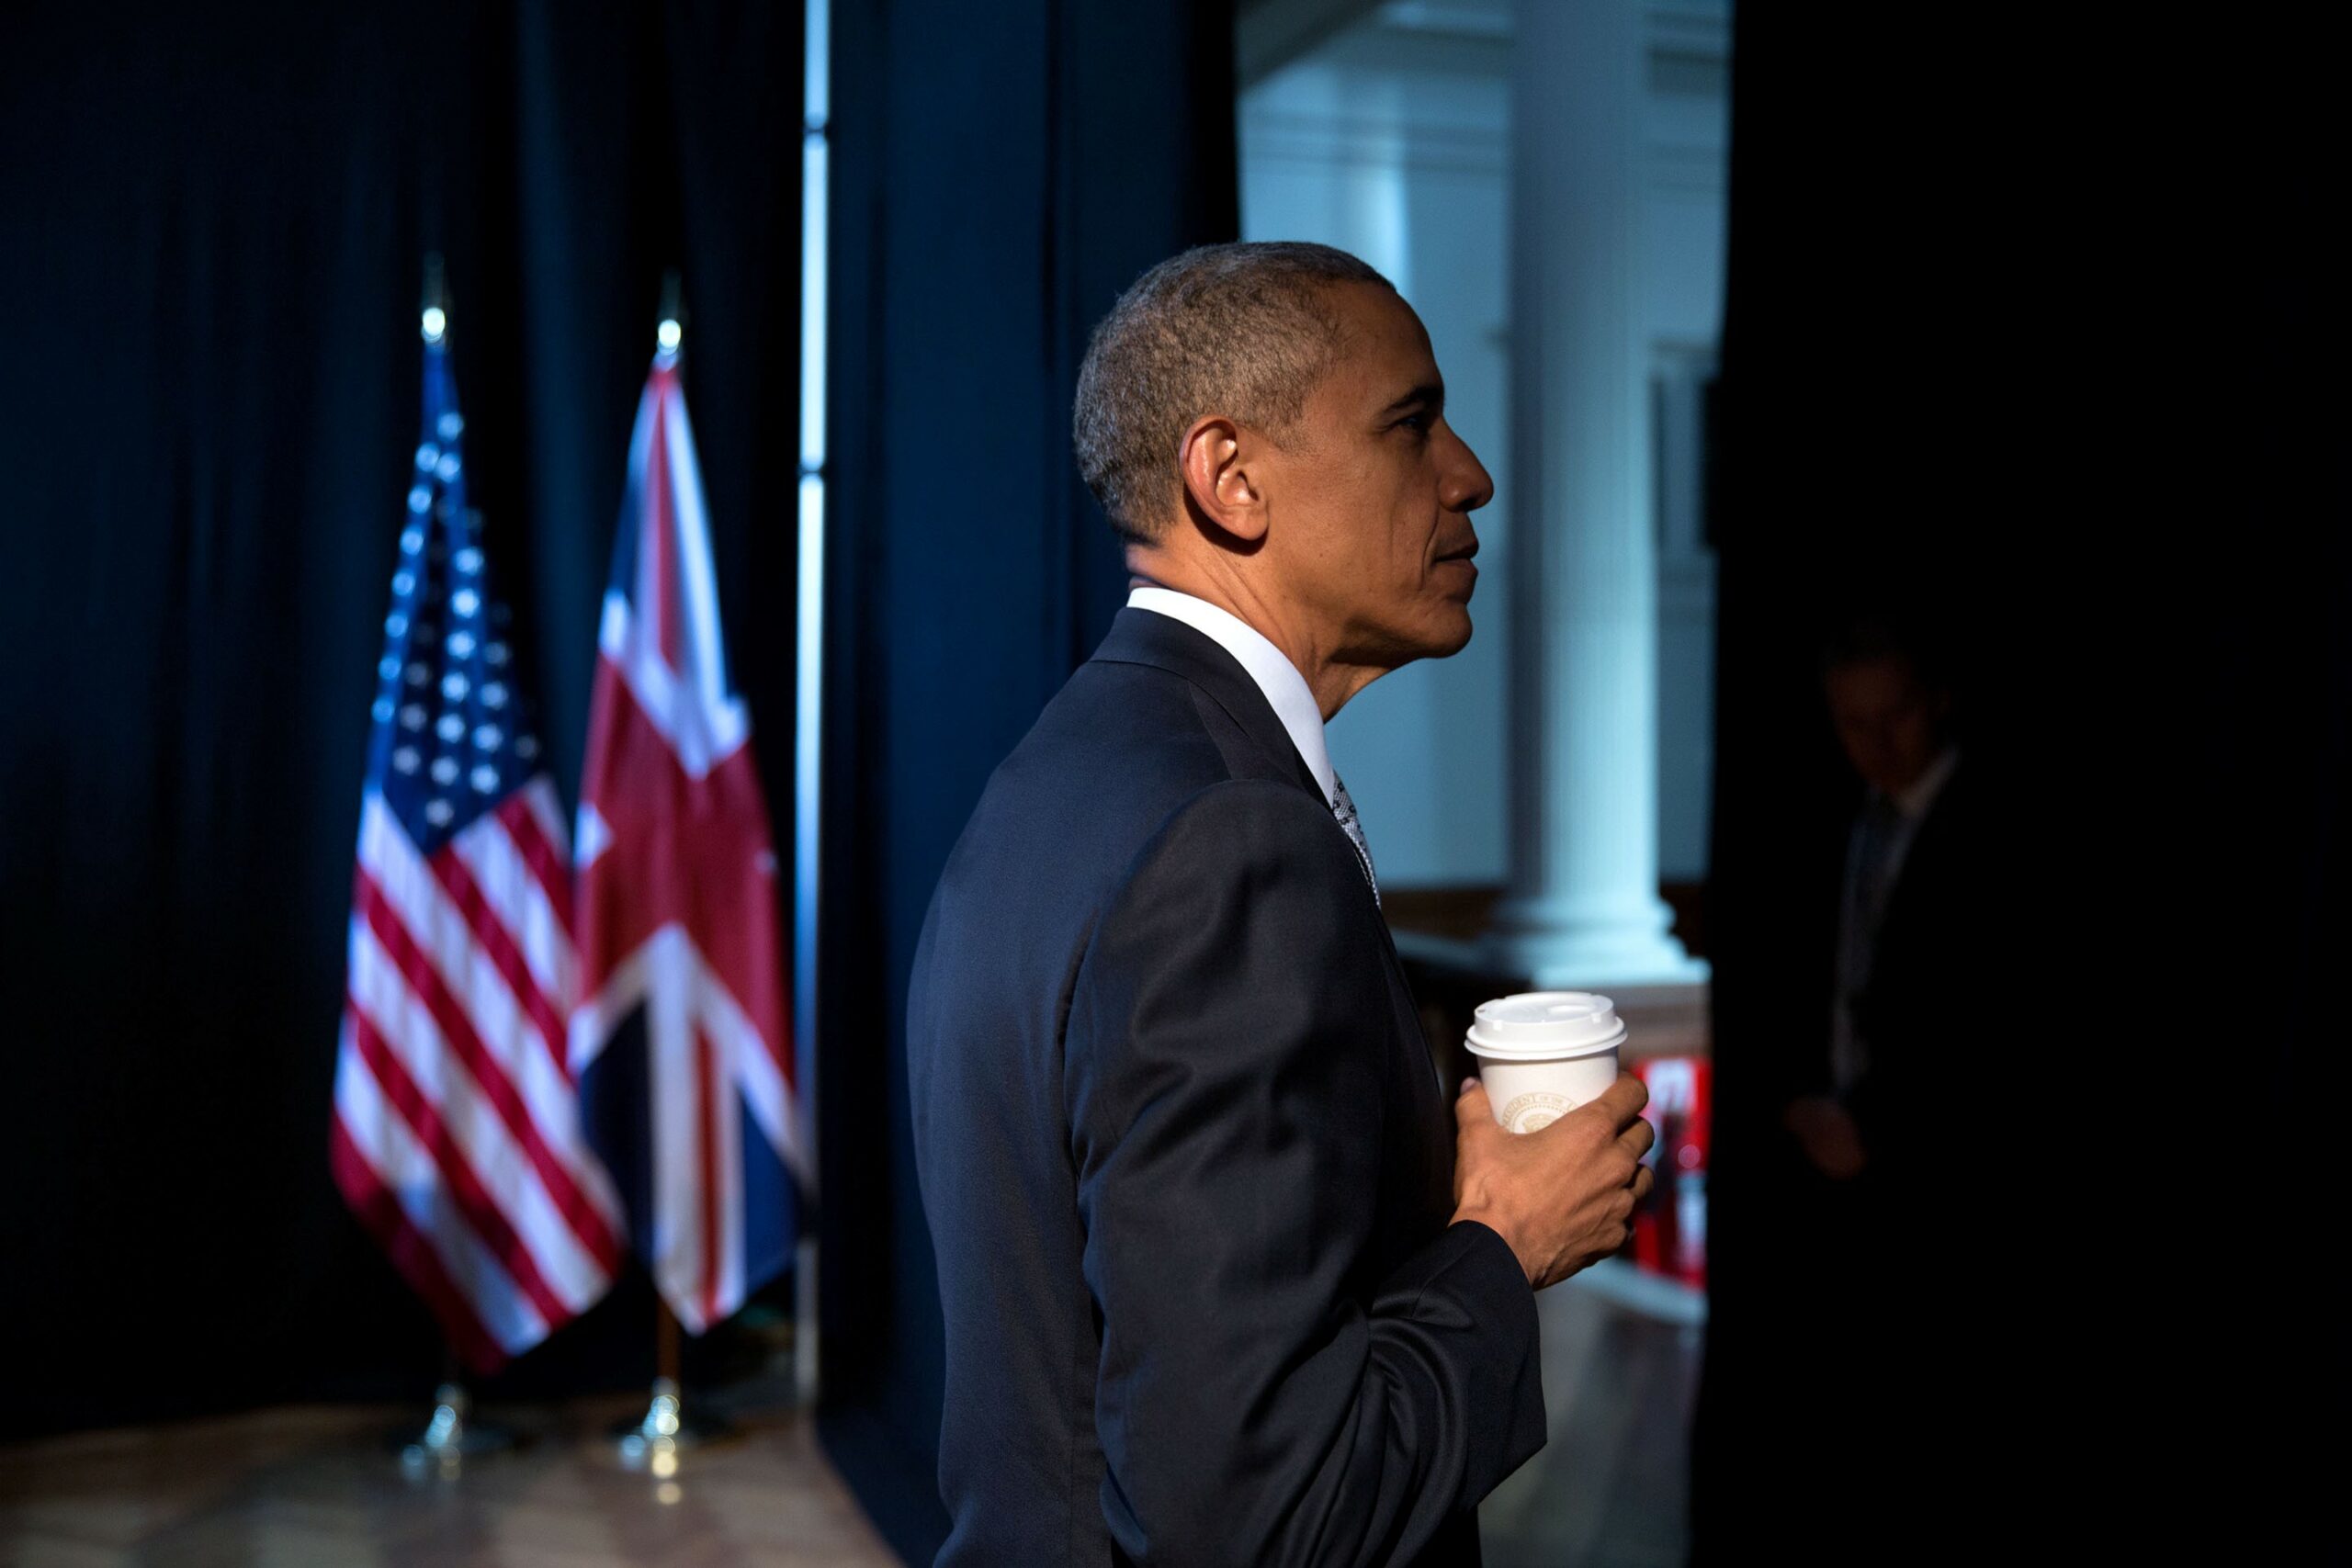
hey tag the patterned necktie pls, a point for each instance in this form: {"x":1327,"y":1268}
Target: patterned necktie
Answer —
{"x":1345,"y":810}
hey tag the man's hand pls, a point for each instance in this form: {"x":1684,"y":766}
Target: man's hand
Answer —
{"x":1563,"y":1196}
{"x":1832,"y":1142}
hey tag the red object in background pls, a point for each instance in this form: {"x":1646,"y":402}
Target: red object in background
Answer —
{"x":1670,"y":1232}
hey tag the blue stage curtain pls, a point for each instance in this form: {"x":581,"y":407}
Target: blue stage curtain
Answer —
{"x":215,"y":219}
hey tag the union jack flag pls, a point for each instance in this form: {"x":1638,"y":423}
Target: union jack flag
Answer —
{"x":456,"y":1137}
{"x":679,"y":1042}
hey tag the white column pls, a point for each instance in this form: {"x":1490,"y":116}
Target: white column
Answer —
{"x":1582,"y":910}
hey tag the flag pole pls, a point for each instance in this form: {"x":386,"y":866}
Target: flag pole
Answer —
{"x":435,"y":306}
{"x":451,"y":1434}
{"x":668,"y":1425}
{"x":654,"y":1442}
{"x":667,"y":1430}
{"x":665,"y":1345}
{"x":669,"y":328}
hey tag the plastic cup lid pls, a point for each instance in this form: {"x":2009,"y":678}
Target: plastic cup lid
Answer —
{"x":1544,"y":1026}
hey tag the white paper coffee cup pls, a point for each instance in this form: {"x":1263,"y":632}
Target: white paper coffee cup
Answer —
{"x":1542,"y":1054}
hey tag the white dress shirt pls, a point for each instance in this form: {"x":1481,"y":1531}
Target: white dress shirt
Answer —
{"x":1269,"y":666}
{"x":1912,"y":806}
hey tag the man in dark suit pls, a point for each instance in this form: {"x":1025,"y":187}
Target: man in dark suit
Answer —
{"x":1223,"y":1279}
{"x":1906,"y":938}
{"x":1884,"y":1111}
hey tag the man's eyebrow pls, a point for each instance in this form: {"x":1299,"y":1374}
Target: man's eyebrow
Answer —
{"x":1431,"y":393}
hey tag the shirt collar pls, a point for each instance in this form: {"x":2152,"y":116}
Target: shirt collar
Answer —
{"x":1285,"y":689}
{"x":1915,"y":801}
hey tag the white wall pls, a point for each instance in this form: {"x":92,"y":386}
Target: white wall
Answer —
{"x":1392,"y":141}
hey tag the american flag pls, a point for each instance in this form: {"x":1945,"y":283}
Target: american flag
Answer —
{"x":680,"y":1042}
{"x":457,"y":1136}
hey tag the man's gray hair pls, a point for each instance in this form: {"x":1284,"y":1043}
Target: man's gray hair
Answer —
{"x":1244,"y":330}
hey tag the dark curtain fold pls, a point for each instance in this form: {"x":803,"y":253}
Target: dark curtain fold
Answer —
{"x":215,"y":221}
{"x":997,"y":182}
{"x":2042,"y":328}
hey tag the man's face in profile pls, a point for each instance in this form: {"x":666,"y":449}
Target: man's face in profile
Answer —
{"x":1373,"y":492}
{"x":1889,"y":721}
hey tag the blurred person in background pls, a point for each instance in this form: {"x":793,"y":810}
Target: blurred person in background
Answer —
{"x":1897,"y":923}
{"x":1872,"y":1096}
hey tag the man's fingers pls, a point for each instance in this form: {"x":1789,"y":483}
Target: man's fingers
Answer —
{"x":1470,"y":1106}
{"x":1638,"y":1138}
{"x":1624,"y":1099}
{"x":1644,"y":1180}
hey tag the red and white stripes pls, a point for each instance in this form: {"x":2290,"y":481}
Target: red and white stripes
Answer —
{"x":457,"y":1131}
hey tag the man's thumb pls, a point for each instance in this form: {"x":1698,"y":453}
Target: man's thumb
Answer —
{"x":1470,"y":1106}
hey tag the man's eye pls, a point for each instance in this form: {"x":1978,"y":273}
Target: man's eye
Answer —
{"x":1419,"y":422}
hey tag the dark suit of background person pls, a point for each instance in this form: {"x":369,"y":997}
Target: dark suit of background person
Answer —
{"x":1904,"y":1013}
{"x":1914,"y":1003}
{"x":1186,"y":1161}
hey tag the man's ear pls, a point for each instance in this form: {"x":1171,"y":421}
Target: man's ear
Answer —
{"x":1221,"y":479}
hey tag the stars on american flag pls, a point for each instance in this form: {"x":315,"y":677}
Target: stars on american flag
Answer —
{"x":451,"y":741}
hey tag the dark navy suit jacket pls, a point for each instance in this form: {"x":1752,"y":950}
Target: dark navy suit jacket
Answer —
{"x":1186,"y":1163}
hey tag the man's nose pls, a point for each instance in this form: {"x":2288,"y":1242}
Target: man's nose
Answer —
{"x":1466,"y":484}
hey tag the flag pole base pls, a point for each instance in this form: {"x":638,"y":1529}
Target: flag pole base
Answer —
{"x":654,"y":1442}
{"x":451,"y":1438}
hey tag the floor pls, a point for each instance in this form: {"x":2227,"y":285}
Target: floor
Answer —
{"x":323,"y":1488}
{"x":1621,"y":1373}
